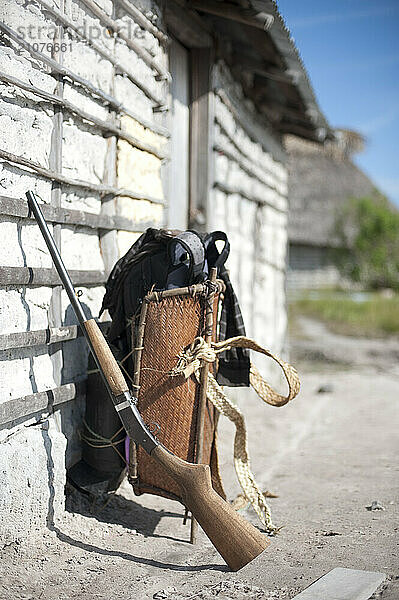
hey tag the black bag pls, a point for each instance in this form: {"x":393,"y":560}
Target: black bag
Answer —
{"x":160,"y":260}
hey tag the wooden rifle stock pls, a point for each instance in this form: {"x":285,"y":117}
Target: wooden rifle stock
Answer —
{"x":236,"y":540}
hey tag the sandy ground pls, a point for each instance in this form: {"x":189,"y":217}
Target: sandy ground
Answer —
{"x":328,"y":455}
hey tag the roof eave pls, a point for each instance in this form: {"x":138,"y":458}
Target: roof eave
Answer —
{"x":284,"y":42}
{"x":300,"y":114}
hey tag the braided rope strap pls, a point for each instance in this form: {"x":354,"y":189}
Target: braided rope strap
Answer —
{"x":189,"y":361}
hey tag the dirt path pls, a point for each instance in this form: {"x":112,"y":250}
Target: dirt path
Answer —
{"x":327,"y":456}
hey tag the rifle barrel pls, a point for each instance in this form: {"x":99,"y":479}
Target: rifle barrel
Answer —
{"x":112,"y":376}
{"x":55,"y":255}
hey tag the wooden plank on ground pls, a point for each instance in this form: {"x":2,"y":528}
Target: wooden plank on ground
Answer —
{"x":343,"y":584}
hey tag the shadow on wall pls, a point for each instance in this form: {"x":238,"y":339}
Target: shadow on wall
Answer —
{"x":74,"y":369}
{"x":68,"y":417}
{"x":25,"y":305}
{"x":75,"y":352}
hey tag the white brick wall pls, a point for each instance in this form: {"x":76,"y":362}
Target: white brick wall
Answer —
{"x":243,"y":181}
{"x":29,"y":492}
{"x":257,"y":231}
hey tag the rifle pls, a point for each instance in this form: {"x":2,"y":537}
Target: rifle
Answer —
{"x":234,"y":538}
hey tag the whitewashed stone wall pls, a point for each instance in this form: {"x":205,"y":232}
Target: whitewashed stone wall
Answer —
{"x":249,"y":201}
{"x":33,"y":459}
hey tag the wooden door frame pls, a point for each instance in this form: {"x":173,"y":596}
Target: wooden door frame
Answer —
{"x":192,"y":32}
{"x":201,"y":136}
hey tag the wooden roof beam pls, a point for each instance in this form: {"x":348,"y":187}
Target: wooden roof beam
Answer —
{"x":318,"y":135}
{"x":259,"y":68}
{"x":286,"y":111}
{"x":227,"y":10}
{"x":187,"y":26}
{"x":278,"y":91}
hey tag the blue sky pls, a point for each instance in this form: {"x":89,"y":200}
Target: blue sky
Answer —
{"x":351,"y":51}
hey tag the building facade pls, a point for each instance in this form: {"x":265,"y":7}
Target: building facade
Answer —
{"x":122,"y":115}
{"x":322,"y":180}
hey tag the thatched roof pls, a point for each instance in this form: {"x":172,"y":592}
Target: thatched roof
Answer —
{"x":321,"y":180}
{"x":258,"y":48}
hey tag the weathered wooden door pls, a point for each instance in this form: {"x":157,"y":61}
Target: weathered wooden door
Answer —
{"x":180,"y":138}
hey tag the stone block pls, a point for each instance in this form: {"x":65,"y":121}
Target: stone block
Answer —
{"x":125,"y":240}
{"x":32,"y":475}
{"x":22,"y":244}
{"x":141,"y":36}
{"x":30,"y":22}
{"x":143,"y":134}
{"x":84,"y":101}
{"x":34,"y":368}
{"x":24,"y":309}
{"x":30,"y":123}
{"x":131,"y":96}
{"x":143,"y":73}
{"x":139,"y":171}
{"x":80,"y":248}
{"x":140,"y":210}
{"x":91,"y":299}
{"x":19,"y":65}
{"x":83,"y":152}
{"x":77,"y":199}
{"x":15,"y":181}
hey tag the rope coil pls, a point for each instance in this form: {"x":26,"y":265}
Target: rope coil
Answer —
{"x":99,"y":441}
{"x":190,"y":360}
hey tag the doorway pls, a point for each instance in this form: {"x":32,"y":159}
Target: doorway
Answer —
{"x":179,"y":65}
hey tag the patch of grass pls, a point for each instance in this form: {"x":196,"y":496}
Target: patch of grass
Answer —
{"x":344,"y":313}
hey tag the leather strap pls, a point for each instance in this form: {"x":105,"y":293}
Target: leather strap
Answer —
{"x":214,"y":257}
{"x":192,"y":244}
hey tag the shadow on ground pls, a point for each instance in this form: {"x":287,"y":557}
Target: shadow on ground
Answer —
{"x":118,"y":510}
